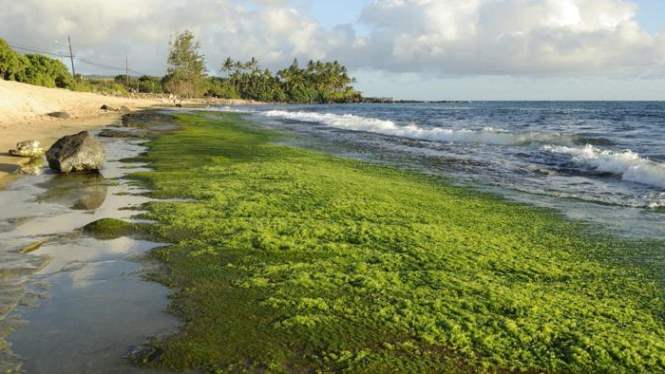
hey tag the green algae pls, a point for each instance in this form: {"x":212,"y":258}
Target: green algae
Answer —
{"x":111,"y":228}
{"x":292,"y":260}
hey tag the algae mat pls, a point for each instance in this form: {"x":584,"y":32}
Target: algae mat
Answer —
{"x":291,"y":260}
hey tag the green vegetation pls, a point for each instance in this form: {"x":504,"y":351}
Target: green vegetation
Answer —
{"x":319,"y":82}
{"x":186,"y":70}
{"x":33,"y":69}
{"x":149,"y":84}
{"x":290,"y":260}
{"x":110,"y":228}
{"x":12,"y":64}
{"x":142,"y":84}
{"x":102,"y":86}
{"x":47,"y":72}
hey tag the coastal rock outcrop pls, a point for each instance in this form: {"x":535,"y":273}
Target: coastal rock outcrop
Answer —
{"x":79,"y":152}
{"x":28,"y":148}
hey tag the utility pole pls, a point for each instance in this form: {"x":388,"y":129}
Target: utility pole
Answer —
{"x":127,"y":72}
{"x":71,"y":55}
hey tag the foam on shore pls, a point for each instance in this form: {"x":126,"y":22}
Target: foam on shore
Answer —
{"x":626,"y":164}
{"x":413,"y":131}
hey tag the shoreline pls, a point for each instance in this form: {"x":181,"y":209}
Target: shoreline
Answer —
{"x":46,"y":132}
{"x":286,"y":251}
{"x":275,"y":248}
{"x":40,"y":336}
{"x":24,"y":116}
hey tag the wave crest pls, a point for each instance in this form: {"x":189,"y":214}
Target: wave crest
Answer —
{"x":386,"y":127}
{"x":627,"y":164}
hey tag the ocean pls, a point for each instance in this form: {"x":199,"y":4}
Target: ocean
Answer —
{"x":601,"y":162}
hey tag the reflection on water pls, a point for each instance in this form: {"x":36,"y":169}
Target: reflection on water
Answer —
{"x":97,"y":308}
{"x":33,"y":167}
{"x":80,"y":192}
{"x":75,"y":304}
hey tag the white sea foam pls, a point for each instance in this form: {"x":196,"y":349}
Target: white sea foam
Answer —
{"x":627,"y":164}
{"x":230,"y":109}
{"x":413,"y":131}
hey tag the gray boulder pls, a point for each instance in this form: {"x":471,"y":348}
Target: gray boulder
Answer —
{"x":79,"y":152}
{"x":28,"y":148}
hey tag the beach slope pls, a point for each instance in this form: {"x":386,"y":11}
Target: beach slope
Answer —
{"x":24,"y":115}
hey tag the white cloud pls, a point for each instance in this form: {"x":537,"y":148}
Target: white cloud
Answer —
{"x":511,"y":36}
{"x":106,"y":31}
{"x":446,"y":37}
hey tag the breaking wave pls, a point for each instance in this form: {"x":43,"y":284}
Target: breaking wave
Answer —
{"x":413,"y":131}
{"x":627,"y":164}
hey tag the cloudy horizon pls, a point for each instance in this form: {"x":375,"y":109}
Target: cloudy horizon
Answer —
{"x":417,"y":49}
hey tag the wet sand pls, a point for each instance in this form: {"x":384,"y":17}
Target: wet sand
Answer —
{"x":46,"y":132}
{"x":76,"y":304}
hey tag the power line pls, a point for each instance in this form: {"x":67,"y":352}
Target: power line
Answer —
{"x":38,"y":51}
{"x":72,"y":57}
{"x":108,"y":67}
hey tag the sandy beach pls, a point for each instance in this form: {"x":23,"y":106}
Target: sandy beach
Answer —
{"x":24,"y":115}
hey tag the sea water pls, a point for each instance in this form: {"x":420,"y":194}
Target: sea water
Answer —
{"x":601,"y":162}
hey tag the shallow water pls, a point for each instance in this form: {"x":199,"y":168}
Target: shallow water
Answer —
{"x":76,"y":304}
{"x":602,"y":162}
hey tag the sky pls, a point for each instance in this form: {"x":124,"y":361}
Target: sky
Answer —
{"x":406,"y":49}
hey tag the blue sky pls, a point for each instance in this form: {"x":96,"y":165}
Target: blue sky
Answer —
{"x":652,"y":14}
{"x":331,"y":13}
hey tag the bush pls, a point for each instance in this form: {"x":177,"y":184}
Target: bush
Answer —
{"x":221,"y":88}
{"x":100,"y":86}
{"x":12,"y":64}
{"x":33,"y":69}
{"x":47,"y":72}
{"x":148,"y":84}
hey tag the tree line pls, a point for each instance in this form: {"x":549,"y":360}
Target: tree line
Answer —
{"x":33,"y":68}
{"x":315,"y":82}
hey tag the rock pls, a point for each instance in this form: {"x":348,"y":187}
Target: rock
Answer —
{"x":125,"y":109}
{"x":28,"y":148}
{"x":79,"y":152}
{"x":34,"y":167}
{"x":109,"y":108}
{"x":111,"y":228}
{"x":80,"y":191}
{"x":110,"y":133}
{"x":178,"y":105}
{"x":60,"y":115}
